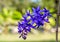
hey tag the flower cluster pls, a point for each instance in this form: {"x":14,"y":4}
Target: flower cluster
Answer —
{"x":32,"y":20}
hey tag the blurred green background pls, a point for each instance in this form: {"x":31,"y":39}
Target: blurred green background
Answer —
{"x":11,"y":11}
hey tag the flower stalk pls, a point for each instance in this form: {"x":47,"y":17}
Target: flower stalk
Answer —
{"x":32,"y":20}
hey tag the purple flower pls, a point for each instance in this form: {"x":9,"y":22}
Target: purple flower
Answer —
{"x":37,"y":17}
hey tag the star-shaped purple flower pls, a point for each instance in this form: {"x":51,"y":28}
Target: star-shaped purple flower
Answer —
{"x":37,"y":17}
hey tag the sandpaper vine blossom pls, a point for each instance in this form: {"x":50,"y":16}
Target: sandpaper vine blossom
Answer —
{"x":37,"y":17}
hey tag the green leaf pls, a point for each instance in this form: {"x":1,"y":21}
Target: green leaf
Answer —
{"x":5,"y":12}
{"x":1,"y":19}
{"x":17,"y":15}
{"x":52,"y":21}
